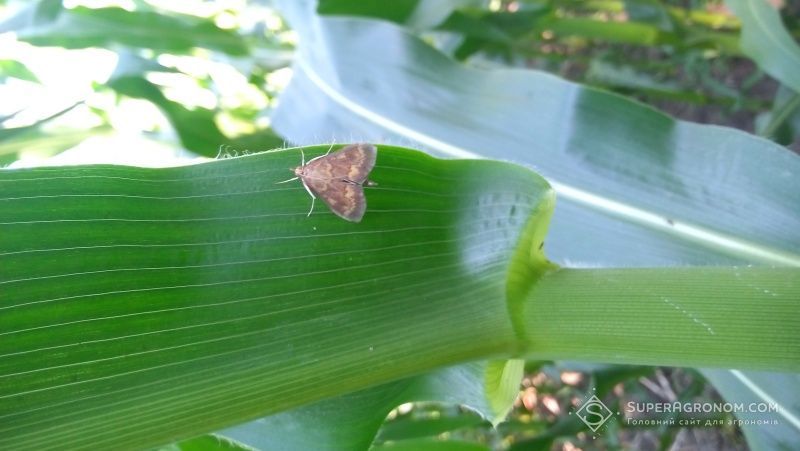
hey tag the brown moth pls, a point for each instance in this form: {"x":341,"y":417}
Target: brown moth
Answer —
{"x":338,"y":178}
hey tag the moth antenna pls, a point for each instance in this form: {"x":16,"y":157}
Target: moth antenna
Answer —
{"x":329,"y":148}
{"x":302,"y":158}
{"x":287,"y":181}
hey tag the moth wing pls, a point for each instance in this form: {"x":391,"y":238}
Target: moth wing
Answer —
{"x":353,"y":163}
{"x":347,"y":200}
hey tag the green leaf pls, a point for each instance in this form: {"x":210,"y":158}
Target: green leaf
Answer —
{"x":502,"y":386}
{"x":15,"y":69}
{"x":428,"y":444}
{"x":82,"y":27}
{"x":207,"y":443}
{"x":484,"y":30}
{"x":766,"y":41}
{"x":35,"y":138}
{"x":635,"y":187}
{"x":435,"y":419}
{"x":397,"y":11}
{"x":417,"y":14}
{"x":684,"y":193}
{"x":195,"y":127}
{"x":620,"y":32}
{"x":350,"y":422}
{"x":784,"y":117}
{"x":34,"y":13}
{"x":764,"y":431}
{"x":650,"y":11}
{"x":140,"y":305}
{"x":254,"y":142}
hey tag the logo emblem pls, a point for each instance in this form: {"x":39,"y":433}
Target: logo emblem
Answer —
{"x":594,"y":413}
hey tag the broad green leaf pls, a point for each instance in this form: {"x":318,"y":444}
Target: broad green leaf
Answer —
{"x":46,"y":23}
{"x":766,"y":41}
{"x":142,"y":305}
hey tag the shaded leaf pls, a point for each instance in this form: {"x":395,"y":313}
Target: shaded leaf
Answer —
{"x":350,"y":422}
{"x":778,"y":430}
{"x":417,"y":14}
{"x":431,"y":445}
{"x":207,"y":443}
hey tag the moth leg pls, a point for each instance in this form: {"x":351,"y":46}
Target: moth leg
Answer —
{"x":312,"y":206}
{"x":317,"y":158}
{"x":286,"y":181}
{"x":313,"y":198}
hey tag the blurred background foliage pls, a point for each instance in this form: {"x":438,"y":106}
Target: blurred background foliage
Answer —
{"x":154,"y":82}
{"x":204,"y":76}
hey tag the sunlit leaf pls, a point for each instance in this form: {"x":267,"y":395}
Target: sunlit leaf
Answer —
{"x":140,"y":305}
{"x":15,"y":69}
{"x":46,"y":23}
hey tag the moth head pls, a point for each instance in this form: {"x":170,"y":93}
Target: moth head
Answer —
{"x":298,"y":171}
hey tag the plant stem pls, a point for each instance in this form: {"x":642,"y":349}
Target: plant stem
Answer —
{"x":736,"y":317}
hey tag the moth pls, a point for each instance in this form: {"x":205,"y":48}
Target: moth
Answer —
{"x":339,"y":178}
